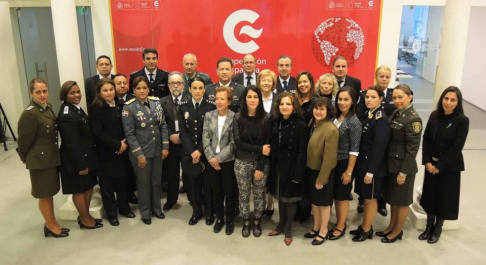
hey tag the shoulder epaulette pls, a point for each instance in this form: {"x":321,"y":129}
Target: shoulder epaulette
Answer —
{"x":134,"y":72}
{"x":204,"y":74}
{"x":130,"y":101}
{"x":164,"y":70}
{"x":378,"y":115}
{"x":153,"y":98}
{"x":210,"y":102}
{"x":29,"y":108}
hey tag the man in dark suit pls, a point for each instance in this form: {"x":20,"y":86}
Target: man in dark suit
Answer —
{"x":285,"y":82}
{"x":340,"y":71}
{"x":157,"y":77}
{"x":249,"y":76}
{"x":103,"y":66}
{"x":189,"y":62}
{"x":172,"y":168}
{"x":224,"y":70}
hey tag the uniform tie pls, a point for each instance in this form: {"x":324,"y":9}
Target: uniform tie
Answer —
{"x":176,"y":102}
{"x":248,"y":82}
{"x":284,"y":85}
{"x":197,"y":106}
{"x":151,"y":76}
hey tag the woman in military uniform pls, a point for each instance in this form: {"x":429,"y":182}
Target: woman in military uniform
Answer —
{"x":148,"y":141}
{"x":191,"y":120}
{"x":444,"y":138}
{"x":38,"y":150}
{"x":370,"y":167}
{"x":406,"y":128}
{"x":78,"y":155}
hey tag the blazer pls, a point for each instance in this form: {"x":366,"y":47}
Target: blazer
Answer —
{"x":349,"y":137}
{"x":106,"y":125}
{"x":354,"y":83}
{"x":146,"y":131}
{"x":288,"y":141}
{"x":444,"y":148}
{"x":249,"y":149}
{"x":159,"y":88}
{"x":90,"y":88}
{"x":239,"y":79}
{"x":373,"y":145}
{"x":171,"y":112}
{"x":386,"y":103}
{"x":210,"y":137}
{"x":78,"y":150}
{"x":37,"y":142}
{"x":291,"y":86}
{"x":406,"y":129}
{"x":191,"y":126}
{"x":237,"y":92}
{"x":274,"y":98}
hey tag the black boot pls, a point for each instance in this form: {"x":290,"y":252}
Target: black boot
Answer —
{"x":428,"y":228}
{"x":257,"y":229}
{"x":437,"y":231}
{"x":245,"y":232}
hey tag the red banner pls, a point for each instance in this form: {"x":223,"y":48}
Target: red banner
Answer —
{"x":312,"y":32}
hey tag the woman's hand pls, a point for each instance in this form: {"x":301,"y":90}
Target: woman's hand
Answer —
{"x":84,"y":172}
{"x":368,"y":180}
{"x":165,"y":154}
{"x":196,"y":155}
{"x":123,"y":147}
{"x":319,"y":186}
{"x":401,"y":179}
{"x":258,"y":175}
{"x":142,"y":161}
{"x":266,"y":150}
{"x":214,"y":163}
{"x":428,"y":167}
{"x":346,"y":178}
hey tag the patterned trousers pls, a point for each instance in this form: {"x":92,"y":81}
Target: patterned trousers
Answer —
{"x":245,"y":176}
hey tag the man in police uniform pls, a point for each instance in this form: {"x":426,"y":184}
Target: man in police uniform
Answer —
{"x":172,"y":166}
{"x":148,"y":140}
{"x":224,"y":70}
{"x":104,"y":66}
{"x":249,"y":76}
{"x":157,"y":77}
{"x":189,"y":62}
{"x":191,"y":120}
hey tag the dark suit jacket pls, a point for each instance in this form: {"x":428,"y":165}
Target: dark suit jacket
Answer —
{"x":354,"y":83}
{"x":159,"y":88}
{"x":240,"y":79}
{"x":237,"y":93}
{"x":106,"y":125}
{"x":446,"y":149}
{"x":77,"y":148}
{"x":90,"y":88}
{"x":129,"y":96}
{"x":171,"y":112}
{"x":291,"y":86}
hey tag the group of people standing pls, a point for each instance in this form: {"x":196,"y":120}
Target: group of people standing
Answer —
{"x":302,"y":142}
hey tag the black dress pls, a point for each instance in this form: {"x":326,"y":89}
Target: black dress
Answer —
{"x":77,"y":150}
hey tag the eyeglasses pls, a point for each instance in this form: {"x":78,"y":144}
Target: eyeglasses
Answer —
{"x":176,"y":83}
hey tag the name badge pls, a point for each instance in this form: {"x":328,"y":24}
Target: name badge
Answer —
{"x":176,"y":125}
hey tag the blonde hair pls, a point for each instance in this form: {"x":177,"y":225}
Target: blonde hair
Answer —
{"x":265,"y":73}
{"x":335,"y":86}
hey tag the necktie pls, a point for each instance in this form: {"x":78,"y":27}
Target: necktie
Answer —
{"x":197,"y":106}
{"x":151,"y":75}
{"x":284,"y":85}
{"x":248,"y":82}
{"x":340,"y":82}
{"x":176,"y":102}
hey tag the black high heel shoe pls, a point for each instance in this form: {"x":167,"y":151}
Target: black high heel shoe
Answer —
{"x":316,"y":242}
{"x":341,"y":233}
{"x":356,"y":231}
{"x":392,"y":240}
{"x":309,"y":235}
{"x":48,"y":232}
{"x":362,"y":236}
{"x":381,"y":234}
{"x":65,"y":230}
{"x":97,"y":225}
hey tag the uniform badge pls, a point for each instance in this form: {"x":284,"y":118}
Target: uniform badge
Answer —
{"x":29,"y":107}
{"x":143,"y":124}
{"x":417,"y":126}
{"x":378,"y":115}
{"x":370,"y":115}
{"x":186,"y":115}
{"x":125,"y":113}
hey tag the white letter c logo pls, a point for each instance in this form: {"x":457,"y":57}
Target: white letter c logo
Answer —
{"x":229,"y":31}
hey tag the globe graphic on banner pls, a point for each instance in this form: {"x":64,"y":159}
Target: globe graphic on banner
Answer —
{"x":337,"y":37}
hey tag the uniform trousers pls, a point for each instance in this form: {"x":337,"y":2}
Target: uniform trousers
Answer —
{"x":110,"y":185}
{"x":172,"y":172}
{"x":245,"y":176}
{"x":199,"y":193}
{"x":223,"y":185}
{"x":149,"y":184}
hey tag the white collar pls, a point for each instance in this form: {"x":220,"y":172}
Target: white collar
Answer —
{"x":147,"y":73}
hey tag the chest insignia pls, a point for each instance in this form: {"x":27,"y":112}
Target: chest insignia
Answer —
{"x":186,"y":115}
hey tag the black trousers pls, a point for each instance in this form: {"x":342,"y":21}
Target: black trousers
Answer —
{"x":223,"y":184}
{"x":199,"y":193}
{"x":110,"y":185}
{"x":171,"y":172}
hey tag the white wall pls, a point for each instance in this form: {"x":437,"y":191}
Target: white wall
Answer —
{"x":475,"y":60}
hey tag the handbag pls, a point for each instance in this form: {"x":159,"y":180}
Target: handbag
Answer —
{"x":190,"y":169}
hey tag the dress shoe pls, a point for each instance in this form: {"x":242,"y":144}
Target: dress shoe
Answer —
{"x":245,"y":232}
{"x":392,"y":240}
{"x":182,"y":190}
{"x":96,"y":225}
{"x":381,"y":234}
{"x":434,"y":237}
{"x":360,"y":207}
{"x":65,"y":230}
{"x":195,"y":218}
{"x":362,"y":236}
{"x":383,"y":211}
{"x":160,"y":215}
{"x":218,"y":226}
{"x":356,"y":232}
{"x":288,"y":241}
{"x":147,"y":221}
{"x":230,"y":228}
{"x":257,"y":229}
{"x":209,"y":220}
{"x":98,"y":221}
{"x":275,"y":233}
{"x":427,"y":232}
{"x":129,"y":215}
{"x":114,"y":222}
{"x":311,"y":234}
{"x":133,"y":199}
{"x":317,"y":242}
{"x":48,"y":232}
{"x":165,"y":186}
{"x":341,"y":233}
{"x":167,"y":206}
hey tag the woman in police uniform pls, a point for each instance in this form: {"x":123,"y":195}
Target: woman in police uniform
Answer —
{"x":370,"y":167}
{"x":38,"y":150}
{"x":78,"y":155}
{"x":406,"y":128}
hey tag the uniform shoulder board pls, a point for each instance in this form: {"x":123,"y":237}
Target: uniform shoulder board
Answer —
{"x":210,"y":102}
{"x":164,"y":71}
{"x":29,"y":108}
{"x":204,"y":74}
{"x":153,"y":98}
{"x":134,"y":72}
{"x":66,"y":110}
{"x":378,"y":115}
{"x":130,"y":101}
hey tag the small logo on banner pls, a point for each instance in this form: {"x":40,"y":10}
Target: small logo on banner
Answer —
{"x":242,"y":15}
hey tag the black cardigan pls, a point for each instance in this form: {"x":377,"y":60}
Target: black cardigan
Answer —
{"x":249,"y":147}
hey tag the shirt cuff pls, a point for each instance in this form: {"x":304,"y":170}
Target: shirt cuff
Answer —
{"x":402,"y":174}
{"x":368,"y":174}
{"x":354,"y":153}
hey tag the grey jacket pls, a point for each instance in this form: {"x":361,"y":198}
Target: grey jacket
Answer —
{"x":349,"y":137}
{"x":210,"y":137}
